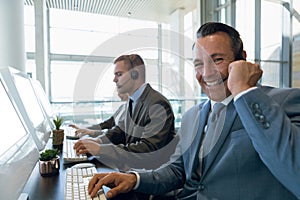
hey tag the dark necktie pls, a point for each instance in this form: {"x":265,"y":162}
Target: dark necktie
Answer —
{"x":130,"y":107}
{"x":210,"y":137}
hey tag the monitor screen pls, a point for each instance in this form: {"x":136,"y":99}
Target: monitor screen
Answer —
{"x":32,"y":106}
{"x":13,"y":130}
{"x":22,"y":93}
{"x":18,"y":152}
{"x":43,"y":99}
{"x":29,"y":100}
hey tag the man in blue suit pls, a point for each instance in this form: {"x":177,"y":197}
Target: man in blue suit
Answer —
{"x":257,"y":152}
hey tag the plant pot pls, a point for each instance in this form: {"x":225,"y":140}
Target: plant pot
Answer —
{"x":58,"y":137}
{"x":49,"y":168}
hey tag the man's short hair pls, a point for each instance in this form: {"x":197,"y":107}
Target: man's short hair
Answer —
{"x":211,"y":28}
{"x":133,"y":61}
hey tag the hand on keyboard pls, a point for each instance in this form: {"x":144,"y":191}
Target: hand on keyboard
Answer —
{"x":69,"y":153}
{"x":87,"y":146}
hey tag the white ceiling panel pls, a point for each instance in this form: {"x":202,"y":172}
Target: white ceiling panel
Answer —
{"x":154,"y":10}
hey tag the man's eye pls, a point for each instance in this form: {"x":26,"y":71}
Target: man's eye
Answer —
{"x":218,"y":60}
{"x":118,"y":74}
{"x":196,"y":65}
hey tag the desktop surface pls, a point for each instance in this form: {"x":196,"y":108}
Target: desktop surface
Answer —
{"x":53,"y":187}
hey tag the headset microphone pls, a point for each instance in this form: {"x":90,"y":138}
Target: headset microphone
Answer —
{"x":134,"y":75}
{"x":225,"y":78}
{"x":120,"y":86}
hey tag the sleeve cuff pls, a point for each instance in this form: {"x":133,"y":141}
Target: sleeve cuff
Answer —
{"x":137,"y":179}
{"x":244,"y":92}
{"x":97,"y":133}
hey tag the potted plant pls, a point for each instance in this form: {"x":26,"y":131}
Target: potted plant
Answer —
{"x":58,"y":133}
{"x":49,"y":162}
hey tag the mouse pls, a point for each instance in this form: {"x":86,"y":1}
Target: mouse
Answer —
{"x":83,"y":165}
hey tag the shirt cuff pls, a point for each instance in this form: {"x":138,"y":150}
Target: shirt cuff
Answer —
{"x":97,"y":133}
{"x":244,"y":92}
{"x":137,"y":179}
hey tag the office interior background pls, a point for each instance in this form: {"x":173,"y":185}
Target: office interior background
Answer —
{"x":70,"y":45}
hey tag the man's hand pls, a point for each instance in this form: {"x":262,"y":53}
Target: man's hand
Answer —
{"x":242,"y":76}
{"x":118,"y":182}
{"x":87,"y":146}
{"x":82,"y":131}
{"x":74,"y":126}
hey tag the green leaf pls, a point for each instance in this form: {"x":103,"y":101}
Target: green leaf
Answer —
{"x":58,"y":122}
{"x":49,"y":154}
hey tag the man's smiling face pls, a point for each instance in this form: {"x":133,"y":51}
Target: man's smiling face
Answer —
{"x":212,"y":56}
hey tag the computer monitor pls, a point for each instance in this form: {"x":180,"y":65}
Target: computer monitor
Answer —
{"x":18,"y":152}
{"x":23,"y":94}
{"x":44,"y":101}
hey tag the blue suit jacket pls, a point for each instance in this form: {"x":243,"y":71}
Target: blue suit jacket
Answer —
{"x":256,"y":157}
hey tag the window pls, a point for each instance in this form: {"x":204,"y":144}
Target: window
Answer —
{"x":265,"y":35}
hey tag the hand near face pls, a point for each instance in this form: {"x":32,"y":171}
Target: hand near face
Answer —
{"x":242,"y":76}
{"x":119,"y":182}
{"x":87,"y":146}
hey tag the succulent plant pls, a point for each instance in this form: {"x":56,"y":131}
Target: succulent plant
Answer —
{"x":49,"y":154}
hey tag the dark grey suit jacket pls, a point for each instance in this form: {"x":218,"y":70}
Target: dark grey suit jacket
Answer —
{"x":147,"y":140}
{"x":256,"y":157}
{"x":112,"y":121}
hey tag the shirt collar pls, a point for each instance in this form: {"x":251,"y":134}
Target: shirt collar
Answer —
{"x":138,"y":93}
{"x":226,"y":101}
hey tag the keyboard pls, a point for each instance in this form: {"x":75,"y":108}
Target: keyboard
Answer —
{"x":77,"y":180}
{"x":69,"y":154}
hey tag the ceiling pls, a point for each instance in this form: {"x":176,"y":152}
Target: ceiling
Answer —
{"x":153,"y":10}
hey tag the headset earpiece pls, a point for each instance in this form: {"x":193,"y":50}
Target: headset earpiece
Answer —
{"x":134,"y":74}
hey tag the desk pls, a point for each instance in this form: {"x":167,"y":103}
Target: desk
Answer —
{"x":52,"y":188}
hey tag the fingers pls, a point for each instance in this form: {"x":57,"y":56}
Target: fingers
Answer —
{"x":82,"y":132}
{"x":87,"y":146}
{"x":79,"y":132}
{"x":80,"y":147}
{"x":73,"y":126}
{"x":95,"y":184}
{"x":242,"y":76}
{"x":119,"y":183}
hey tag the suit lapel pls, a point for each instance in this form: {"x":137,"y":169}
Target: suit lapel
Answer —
{"x":230,"y":117}
{"x":140,"y":103}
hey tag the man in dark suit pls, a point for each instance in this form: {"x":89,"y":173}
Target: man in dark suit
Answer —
{"x":98,"y":129}
{"x":145,"y":138}
{"x":255,"y":155}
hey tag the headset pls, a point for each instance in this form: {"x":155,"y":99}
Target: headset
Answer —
{"x":134,"y":74}
{"x":239,"y":57}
